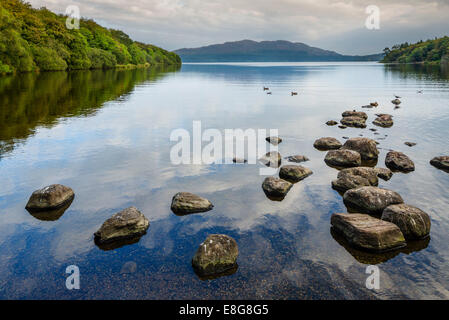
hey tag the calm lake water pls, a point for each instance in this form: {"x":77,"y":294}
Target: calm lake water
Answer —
{"x":106,"y":135}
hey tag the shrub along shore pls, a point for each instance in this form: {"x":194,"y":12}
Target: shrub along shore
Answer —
{"x":38,"y":40}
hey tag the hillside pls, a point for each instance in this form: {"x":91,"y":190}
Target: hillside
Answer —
{"x":37,"y":39}
{"x":430,"y":51}
{"x":265,"y":51}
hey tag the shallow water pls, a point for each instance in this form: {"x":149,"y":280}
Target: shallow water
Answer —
{"x":106,"y":135}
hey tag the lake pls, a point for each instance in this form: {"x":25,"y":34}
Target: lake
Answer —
{"x":106,"y":134}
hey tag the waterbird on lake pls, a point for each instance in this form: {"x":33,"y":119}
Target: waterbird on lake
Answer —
{"x":269,"y":92}
{"x":265,"y":88}
{"x":294,"y":93}
{"x":397,"y":97}
{"x":419,"y":91}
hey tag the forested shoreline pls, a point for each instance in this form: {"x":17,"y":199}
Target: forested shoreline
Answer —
{"x":434,"y":51}
{"x":38,"y":40}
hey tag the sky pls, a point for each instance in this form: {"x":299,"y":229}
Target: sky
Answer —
{"x":337,"y":25}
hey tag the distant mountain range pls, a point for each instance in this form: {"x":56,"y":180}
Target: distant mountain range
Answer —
{"x":266,"y":51}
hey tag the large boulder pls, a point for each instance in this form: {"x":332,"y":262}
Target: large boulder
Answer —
{"x":294,"y":173}
{"x":297,"y":158}
{"x":217,"y":254}
{"x":355,"y":122}
{"x":274,"y":140}
{"x":49,"y":198}
{"x":343,"y":158}
{"x":371,"y":199}
{"x":368,"y":233}
{"x":187,"y":203}
{"x":397,"y":161}
{"x":271,"y":159}
{"x":384,"y":120}
{"x":365,"y":146}
{"x":352,"y":178}
{"x":358,"y":114}
{"x":441,"y":162}
{"x":327,"y":143}
{"x":128,"y":223}
{"x":276,"y":188}
{"x":413,"y":222}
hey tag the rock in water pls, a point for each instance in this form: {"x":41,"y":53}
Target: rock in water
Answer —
{"x":49,"y":198}
{"x":355,"y":122}
{"x":384,"y":120}
{"x":332,"y":123}
{"x":187,"y":203}
{"x":413,"y":222}
{"x":327,"y":143}
{"x":371,"y":199}
{"x":297,"y":158}
{"x":294,"y":173}
{"x":272,"y":159}
{"x":365,"y":146}
{"x":217,"y":254}
{"x":396,"y":102}
{"x":275,"y":187}
{"x":410,"y":144}
{"x":397,"y":161}
{"x":343,"y":158}
{"x":384,"y":173}
{"x":358,"y":114}
{"x":368,"y":233}
{"x":128,"y":223}
{"x":352,"y":178}
{"x":274,"y":140}
{"x":441,"y":162}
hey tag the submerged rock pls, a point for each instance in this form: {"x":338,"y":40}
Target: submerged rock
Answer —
{"x":276,"y":188}
{"x":272,"y":159}
{"x":327,"y":143}
{"x":368,"y":233}
{"x":128,"y":223}
{"x":187,"y":203}
{"x":354,"y":178}
{"x":342,"y":126}
{"x":217,"y":254}
{"x":365,"y":146}
{"x":441,"y":162}
{"x":413,"y":222}
{"x":397,"y":161}
{"x":343,"y":158}
{"x":294,"y":173}
{"x":384,"y":173}
{"x":410,"y":144}
{"x":371,"y":199}
{"x":332,"y":123}
{"x":297,"y":158}
{"x":355,"y":122}
{"x":358,"y":114}
{"x":384,"y":120}
{"x":49,"y":198}
{"x":274,"y":140}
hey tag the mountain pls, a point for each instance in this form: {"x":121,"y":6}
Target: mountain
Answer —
{"x":265,"y":51}
{"x":434,"y":51}
{"x":38,"y":39}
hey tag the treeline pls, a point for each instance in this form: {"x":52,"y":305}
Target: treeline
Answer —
{"x":430,"y":51}
{"x":37,"y":39}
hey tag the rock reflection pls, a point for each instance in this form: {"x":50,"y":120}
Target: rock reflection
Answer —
{"x":226,"y":273}
{"x":51,"y":215}
{"x":377,"y":258}
{"x":108,"y":246}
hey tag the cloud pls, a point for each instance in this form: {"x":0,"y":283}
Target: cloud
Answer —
{"x":173,"y":24}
